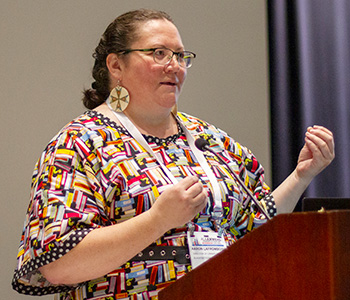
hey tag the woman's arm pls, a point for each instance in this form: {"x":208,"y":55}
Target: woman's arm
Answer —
{"x":317,"y":154}
{"x":105,"y":249}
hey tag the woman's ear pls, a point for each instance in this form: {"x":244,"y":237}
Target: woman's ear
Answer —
{"x":113,"y":65}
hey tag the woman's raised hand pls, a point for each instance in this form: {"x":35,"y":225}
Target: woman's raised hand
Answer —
{"x":317,"y":153}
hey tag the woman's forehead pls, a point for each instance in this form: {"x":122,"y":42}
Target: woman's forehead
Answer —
{"x":157,"y":32}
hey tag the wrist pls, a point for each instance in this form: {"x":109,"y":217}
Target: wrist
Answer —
{"x":288,"y":193}
{"x":301,"y":181}
{"x":157,"y":221}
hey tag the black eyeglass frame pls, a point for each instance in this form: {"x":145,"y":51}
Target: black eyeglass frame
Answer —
{"x":185,"y":54}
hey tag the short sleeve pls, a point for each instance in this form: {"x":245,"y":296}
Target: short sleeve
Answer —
{"x":252,"y":174}
{"x":244,"y":163}
{"x":66,"y":204}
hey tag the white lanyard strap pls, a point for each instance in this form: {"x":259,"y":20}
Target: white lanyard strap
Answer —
{"x":136,"y":134}
{"x":217,"y":209}
{"x":129,"y":126}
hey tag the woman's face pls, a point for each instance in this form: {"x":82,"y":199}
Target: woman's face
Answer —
{"x":153,"y":86}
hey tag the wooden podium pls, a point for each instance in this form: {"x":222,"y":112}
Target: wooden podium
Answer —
{"x":293,"y":256}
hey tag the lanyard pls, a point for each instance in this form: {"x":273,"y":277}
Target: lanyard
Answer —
{"x":136,"y":134}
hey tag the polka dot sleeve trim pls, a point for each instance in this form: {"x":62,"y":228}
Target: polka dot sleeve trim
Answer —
{"x":28,"y":279}
{"x":270,"y":205}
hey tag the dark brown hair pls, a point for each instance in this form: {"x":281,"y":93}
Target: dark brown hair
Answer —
{"x":118,"y":36}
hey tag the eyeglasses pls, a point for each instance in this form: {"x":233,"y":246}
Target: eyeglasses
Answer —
{"x":163,"y":56}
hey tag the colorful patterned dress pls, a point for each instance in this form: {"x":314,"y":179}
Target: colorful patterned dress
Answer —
{"x":93,"y":173}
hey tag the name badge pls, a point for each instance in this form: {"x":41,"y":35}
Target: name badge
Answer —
{"x":203,"y":246}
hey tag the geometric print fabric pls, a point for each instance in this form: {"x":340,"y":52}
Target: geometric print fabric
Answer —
{"x":93,"y":173}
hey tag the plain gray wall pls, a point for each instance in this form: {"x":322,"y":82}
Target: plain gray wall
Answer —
{"x":46,"y":61}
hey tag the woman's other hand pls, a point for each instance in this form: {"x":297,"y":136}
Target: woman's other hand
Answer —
{"x":180,"y":203}
{"x":317,"y":153}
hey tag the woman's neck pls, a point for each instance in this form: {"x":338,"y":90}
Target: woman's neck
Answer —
{"x":158,"y":125}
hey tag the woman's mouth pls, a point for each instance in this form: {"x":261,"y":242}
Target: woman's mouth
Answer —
{"x":168,"y":83}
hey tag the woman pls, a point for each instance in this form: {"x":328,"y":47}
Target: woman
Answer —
{"x":125,"y":176}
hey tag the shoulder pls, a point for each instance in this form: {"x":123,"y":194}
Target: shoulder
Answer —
{"x":201,"y":128}
{"x":89,"y":121}
{"x":89,"y":125}
{"x":196,"y":124}
{"x":84,"y":134}
{"x":218,"y":138}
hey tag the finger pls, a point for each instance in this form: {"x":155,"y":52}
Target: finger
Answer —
{"x":201,"y":200}
{"x":319,"y":146}
{"x":202,"y":205}
{"x":326,"y":130}
{"x":195,"y":189}
{"x":320,"y":130}
{"x":324,"y":134}
{"x":188,"y":181}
